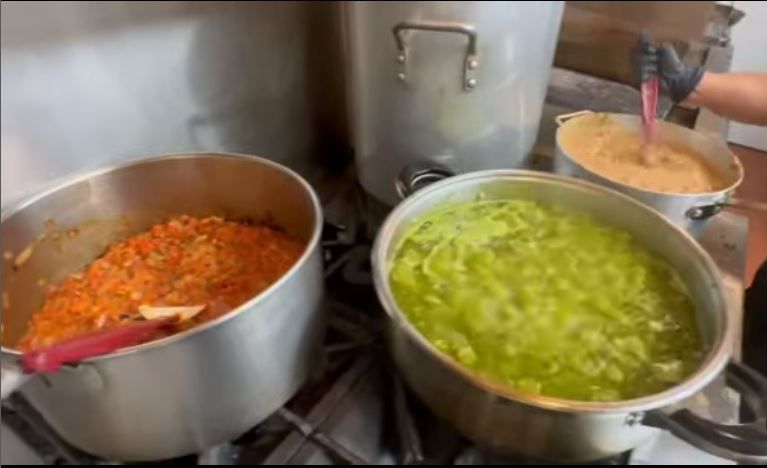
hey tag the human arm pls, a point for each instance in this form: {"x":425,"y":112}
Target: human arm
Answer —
{"x":737,"y":96}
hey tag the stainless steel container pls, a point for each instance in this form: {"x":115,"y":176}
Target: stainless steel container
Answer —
{"x":503,"y":420}
{"x":187,"y":392}
{"x":459,"y":83}
{"x":689,"y":210}
{"x":253,"y":77}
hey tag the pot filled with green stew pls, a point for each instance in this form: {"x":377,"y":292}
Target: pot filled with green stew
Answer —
{"x":550,"y":317}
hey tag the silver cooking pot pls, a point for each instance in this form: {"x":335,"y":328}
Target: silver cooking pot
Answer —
{"x":190,"y":391}
{"x":689,"y":210}
{"x":503,"y":420}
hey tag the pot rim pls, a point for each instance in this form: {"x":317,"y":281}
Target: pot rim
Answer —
{"x":732,"y":156}
{"x":311,"y":245}
{"x":709,"y":368}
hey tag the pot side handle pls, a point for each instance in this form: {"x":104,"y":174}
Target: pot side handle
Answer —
{"x":744,"y":443}
{"x":707,"y":211}
{"x":562,"y":118}
{"x":471,"y":58}
{"x":416,"y":176}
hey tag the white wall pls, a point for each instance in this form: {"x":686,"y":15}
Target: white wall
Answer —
{"x":749,"y":38}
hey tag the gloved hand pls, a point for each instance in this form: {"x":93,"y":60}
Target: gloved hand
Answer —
{"x":677,"y":78}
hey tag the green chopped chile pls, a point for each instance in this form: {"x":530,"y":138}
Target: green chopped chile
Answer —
{"x":546,"y":301}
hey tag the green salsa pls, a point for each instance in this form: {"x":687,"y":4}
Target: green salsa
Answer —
{"x":546,"y":301}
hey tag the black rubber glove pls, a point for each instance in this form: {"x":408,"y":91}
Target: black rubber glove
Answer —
{"x":678,"y":79}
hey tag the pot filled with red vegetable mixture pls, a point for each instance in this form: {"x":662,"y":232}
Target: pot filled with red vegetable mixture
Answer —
{"x":550,"y":317}
{"x":208,"y":263}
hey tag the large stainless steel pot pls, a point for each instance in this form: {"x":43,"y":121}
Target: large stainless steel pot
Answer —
{"x":504,"y":420}
{"x":689,"y":210}
{"x":189,"y":391}
{"x":459,"y":83}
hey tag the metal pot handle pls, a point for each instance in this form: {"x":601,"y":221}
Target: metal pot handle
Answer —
{"x":418,"y":175}
{"x":707,"y":211}
{"x":470,"y":61}
{"x":562,"y":118}
{"x":744,"y":443}
{"x":11,"y":378}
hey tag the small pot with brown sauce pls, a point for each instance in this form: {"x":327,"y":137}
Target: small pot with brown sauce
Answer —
{"x":688,"y":176}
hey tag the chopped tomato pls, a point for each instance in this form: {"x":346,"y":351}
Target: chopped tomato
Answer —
{"x":185,"y":261}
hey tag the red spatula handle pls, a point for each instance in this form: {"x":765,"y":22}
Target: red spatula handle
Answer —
{"x":650,"y":90}
{"x":87,"y":346}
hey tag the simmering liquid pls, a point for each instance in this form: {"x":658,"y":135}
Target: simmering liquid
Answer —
{"x":546,"y":301}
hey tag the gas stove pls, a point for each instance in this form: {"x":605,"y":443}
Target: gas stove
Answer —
{"x":354,"y":409}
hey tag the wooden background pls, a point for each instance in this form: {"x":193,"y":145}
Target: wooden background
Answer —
{"x":597,"y":37}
